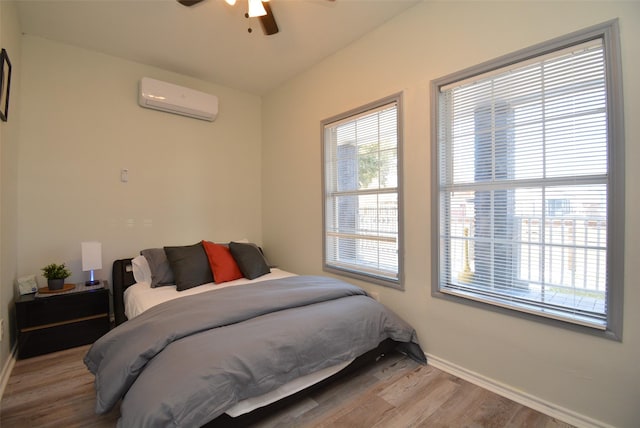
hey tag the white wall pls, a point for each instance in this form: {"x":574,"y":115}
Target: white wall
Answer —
{"x":9,"y":135}
{"x":188,"y":179}
{"x":596,"y":378}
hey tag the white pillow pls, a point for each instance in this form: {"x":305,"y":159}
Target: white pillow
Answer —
{"x":141,"y":270}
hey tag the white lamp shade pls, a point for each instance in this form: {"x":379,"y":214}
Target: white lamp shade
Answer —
{"x":91,"y":255}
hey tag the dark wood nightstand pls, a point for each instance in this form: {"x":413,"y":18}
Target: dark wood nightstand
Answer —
{"x":61,"y":321}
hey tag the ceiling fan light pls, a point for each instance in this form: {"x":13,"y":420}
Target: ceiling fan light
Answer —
{"x":231,"y":2}
{"x":256,"y":8}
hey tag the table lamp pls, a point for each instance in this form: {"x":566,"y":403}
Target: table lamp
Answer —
{"x":91,"y":259}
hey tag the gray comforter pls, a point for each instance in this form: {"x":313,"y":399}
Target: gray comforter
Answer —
{"x":184,"y":362}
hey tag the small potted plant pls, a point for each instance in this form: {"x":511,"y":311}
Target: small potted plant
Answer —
{"x":55,"y":274}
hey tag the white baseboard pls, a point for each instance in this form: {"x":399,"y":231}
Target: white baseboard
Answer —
{"x":536,"y":403}
{"x":6,"y":370}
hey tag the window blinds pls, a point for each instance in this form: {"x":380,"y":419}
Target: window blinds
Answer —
{"x":523,"y":179}
{"x":361,"y":193}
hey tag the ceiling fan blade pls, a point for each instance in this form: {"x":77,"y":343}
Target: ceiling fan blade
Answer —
{"x":268,"y":21}
{"x":188,"y":2}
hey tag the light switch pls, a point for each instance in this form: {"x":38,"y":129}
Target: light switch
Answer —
{"x":124,"y":175}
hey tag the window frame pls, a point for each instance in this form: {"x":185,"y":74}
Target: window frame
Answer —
{"x":609,"y":33}
{"x":363,"y":275}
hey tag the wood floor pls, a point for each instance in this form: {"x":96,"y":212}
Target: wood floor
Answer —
{"x":56,"y":390}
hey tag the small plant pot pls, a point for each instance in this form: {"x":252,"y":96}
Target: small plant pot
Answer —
{"x":55,"y":284}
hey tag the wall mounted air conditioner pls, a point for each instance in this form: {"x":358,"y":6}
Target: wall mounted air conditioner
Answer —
{"x":176,"y":99}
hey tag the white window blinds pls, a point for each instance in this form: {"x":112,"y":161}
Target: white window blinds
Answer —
{"x":523,"y":177}
{"x":361,"y":193}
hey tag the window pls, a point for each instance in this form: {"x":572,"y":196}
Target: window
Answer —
{"x":528,"y":152}
{"x":362,"y":193}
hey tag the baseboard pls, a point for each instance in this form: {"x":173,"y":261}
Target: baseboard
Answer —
{"x":536,"y":403}
{"x":6,"y":370}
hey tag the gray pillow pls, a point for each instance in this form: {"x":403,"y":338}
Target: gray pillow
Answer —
{"x":190,"y":265}
{"x":161,"y":273}
{"x":250,"y":260}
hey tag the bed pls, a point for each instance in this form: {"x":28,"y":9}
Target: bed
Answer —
{"x":223,"y":350}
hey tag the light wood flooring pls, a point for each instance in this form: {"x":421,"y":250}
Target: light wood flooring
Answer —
{"x":56,"y":390}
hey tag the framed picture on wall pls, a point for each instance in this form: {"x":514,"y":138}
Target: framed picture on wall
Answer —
{"x":5,"y":84}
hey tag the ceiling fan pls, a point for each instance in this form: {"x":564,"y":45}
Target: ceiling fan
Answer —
{"x":257,"y":8}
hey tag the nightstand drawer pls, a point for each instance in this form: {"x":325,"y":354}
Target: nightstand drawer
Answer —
{"x":56,"y":338}
{"x":58,"y":309}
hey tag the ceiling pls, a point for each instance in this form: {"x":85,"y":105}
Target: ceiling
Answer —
{"x":210,"y":41}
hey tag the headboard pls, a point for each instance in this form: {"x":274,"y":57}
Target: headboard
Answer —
{"x":122,"y":278}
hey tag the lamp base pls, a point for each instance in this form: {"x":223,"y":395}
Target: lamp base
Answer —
{"x":95,"y":282}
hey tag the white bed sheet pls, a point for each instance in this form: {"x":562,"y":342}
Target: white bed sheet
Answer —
{"x":140,"y":296}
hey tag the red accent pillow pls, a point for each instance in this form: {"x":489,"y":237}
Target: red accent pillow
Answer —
{"x":222,"y":263}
